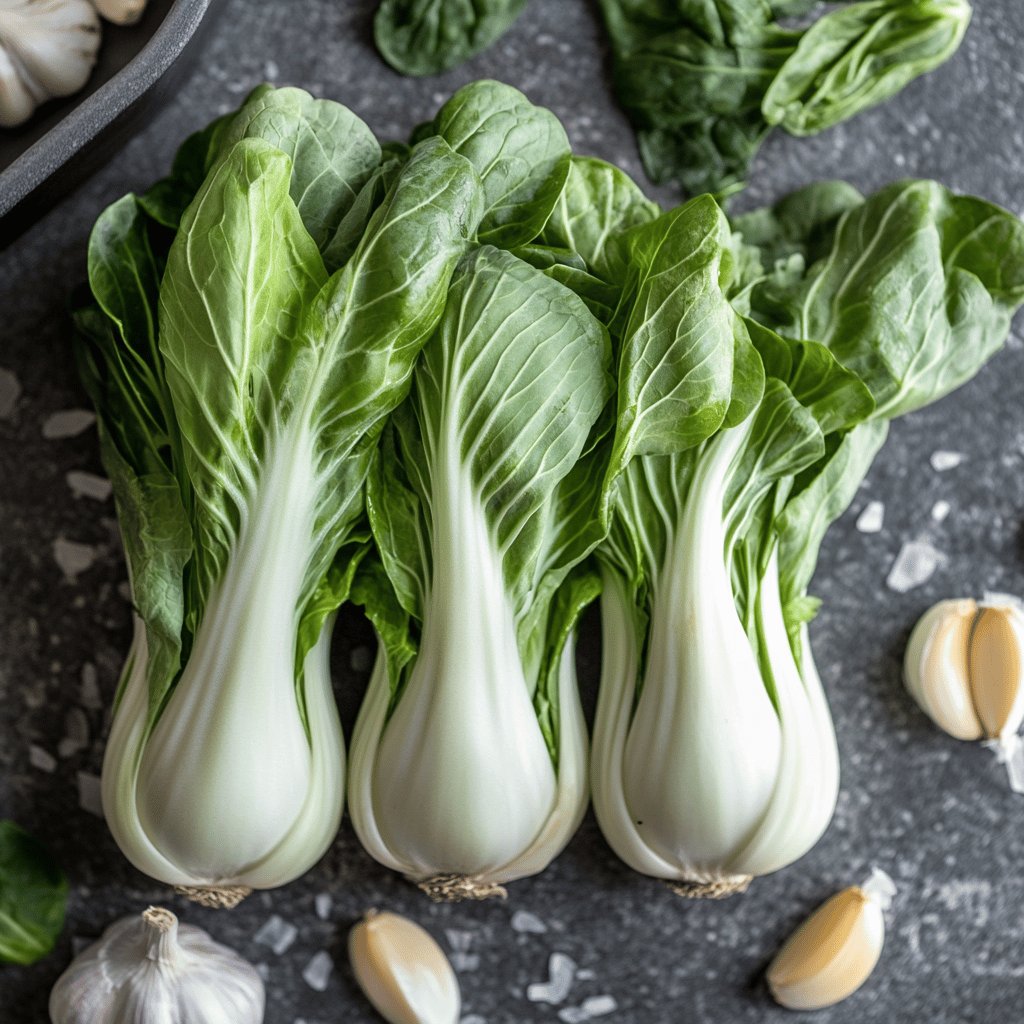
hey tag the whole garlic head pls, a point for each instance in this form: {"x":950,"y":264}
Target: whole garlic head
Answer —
{"x":121,"y":12}
{"x":964,"y":665}
{"x":151,"y":970}
{"x":47,"y":49}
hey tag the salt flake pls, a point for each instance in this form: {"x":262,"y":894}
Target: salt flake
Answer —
{"x":323,"y":904}
{"x":914,"y":565}
{"x":561,"y":974}
{"x":599,"y":1006}
{"x":67,"y":423}
{"x":524,"y":921}
{"x":89,"y":798}
{"x":317,"y":972}
{"x":940,"y":510}
{"x":90,"y":693}
{"x":88,"y":485}
{"x":573,"y":1015}
{"x":941,"y":461}
{"x":73,"y":557}
{"x":41,"y":759}
{"x":872,"y":518}
{"x":276,"y":933}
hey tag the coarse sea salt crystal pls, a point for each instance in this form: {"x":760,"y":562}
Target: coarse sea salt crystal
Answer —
{"x":317,"y":972}
{"x":915,"y":564}
{"x":89,"y":793}
{"x":76,"y":733}
{"x":263,"y":970}
{"x":872,"y":518}
{"x":323,"y":903}
{"x":599,"y":1006}
{"x":73,"y":557}
{"x":461,"y":958}
{"x":90,"y":692}
{"x":940,"y":510}
{"x":561,"y":974}
{"x":276,"y":933}
{"x":573,"y":1015}
{"x":941,"y":461}
{"x":524,"y":921}
{"x":88,"y":485}
{"x":41,"y":759}
{"x":67,"y":423}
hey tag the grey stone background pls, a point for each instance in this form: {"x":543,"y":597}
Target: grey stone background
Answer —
{"x":936,"y":814}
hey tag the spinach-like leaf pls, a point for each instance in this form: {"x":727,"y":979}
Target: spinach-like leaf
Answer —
{"x":33,"y":895}
{"x":426,"y":37}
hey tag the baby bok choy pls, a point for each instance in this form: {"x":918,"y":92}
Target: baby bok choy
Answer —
{"x":241,"y":390}
{"x":468,"y":766}
{"x":738,"y":440}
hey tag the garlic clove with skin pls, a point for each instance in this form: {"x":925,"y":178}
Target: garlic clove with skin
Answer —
{"x":964,"y":665}
{"x":403,"y":971}
{"x":151,"y":970}
{"x":835,"y":950}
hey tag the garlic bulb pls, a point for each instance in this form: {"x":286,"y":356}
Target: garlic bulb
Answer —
{"x":151,"y":970}
{"x":403,"y":971}
{"x":964,"y":665}
{"x":47,"y":49}
{"x":121,"y":12}
{"x":835,"y":950}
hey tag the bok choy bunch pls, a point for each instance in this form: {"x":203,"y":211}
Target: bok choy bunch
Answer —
{"x":754,"y":386}
{"x":255,"y":319}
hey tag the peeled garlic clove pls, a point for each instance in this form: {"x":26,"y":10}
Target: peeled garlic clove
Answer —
{"x":151,"y":970}
{"x":121,"y":12}
{"x":835,"y":950}
{"x":936,"y":668}
{"x":996,"y":669}
{"x":403,"y":971}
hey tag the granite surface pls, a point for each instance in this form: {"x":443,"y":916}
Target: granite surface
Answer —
{"x":934,"y":813}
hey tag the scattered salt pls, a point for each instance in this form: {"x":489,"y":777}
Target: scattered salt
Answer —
{"x":473,"y":1018}
{"x":599,"y":1006}
{"x":76,"y":733}
{"x":263,"y":970}
{"x":914,"y":565}
{"x":90,"y":693}
{"x":573,"y":1015}
{"x":73,"y":557}
{"x":89,"y":798}
{"x":871,"y":519}
{"x":461,"y":958}
{"x":41,"y":759}
{"x":941,"y":461}
{"x":271,"y":71}
{"x":585,"y":974}
{"x":524,"y":921}
{"x":276,"y":933}
{"x":561,"y":974}
{"x":88,"y":485}
{"x":317,"y":972}
{"x":67,"y":423}
{"x":940,"y":510}
{"x":10,"y":392}
{"x":323,"y":904}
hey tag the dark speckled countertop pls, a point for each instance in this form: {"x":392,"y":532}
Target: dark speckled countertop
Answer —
{"x":934,"y":813}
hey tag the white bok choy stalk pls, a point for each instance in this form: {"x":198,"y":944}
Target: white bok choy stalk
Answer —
{"x":468,"y":766}
{"x":714,"y":756}
{"x":241,"y":391}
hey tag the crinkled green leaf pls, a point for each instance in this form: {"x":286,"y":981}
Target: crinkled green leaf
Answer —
{"x":33,"y":896}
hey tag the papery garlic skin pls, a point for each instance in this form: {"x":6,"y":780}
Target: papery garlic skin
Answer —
{"x":403,"y":971}
{"x":47,"y":49}
{"x":152,"y":970}
{"x":121,"y":12}
{"x":835,"y":950}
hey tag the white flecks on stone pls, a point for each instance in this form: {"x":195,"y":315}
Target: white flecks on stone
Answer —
{"x":914,"y":565}
{"x":872,"y":518}
{"x":460,"y":941}
{"x":76,"y":733}
{"x":585,"y":974}
{"x":124,"y":591}
{"x":271,"y":71}
{"x":600,"y":1006}
{"x":72,"y":557}
{"x":941,"y":461}
{"x":263,"y":970}
{"x":88,"y":485}
{"x":323,"y":904}
{"x":573,"y":1015}
{"x":473,"y":1018}
{"x":940,"y":510}
{"x":561,"y":974}
{"x":90,"y":692}
{"x":361,"y":659}
{"x":10,"y":392}
{"x":276,"y":933}
{"x":524,"y":921}
{"x":67,"y":423}
{"x":89,"y":793}
{"x":317,"y":973}
{"x":41,"y":759}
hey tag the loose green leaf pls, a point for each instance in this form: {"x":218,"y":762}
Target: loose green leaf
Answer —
{"x":33,"y":895}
